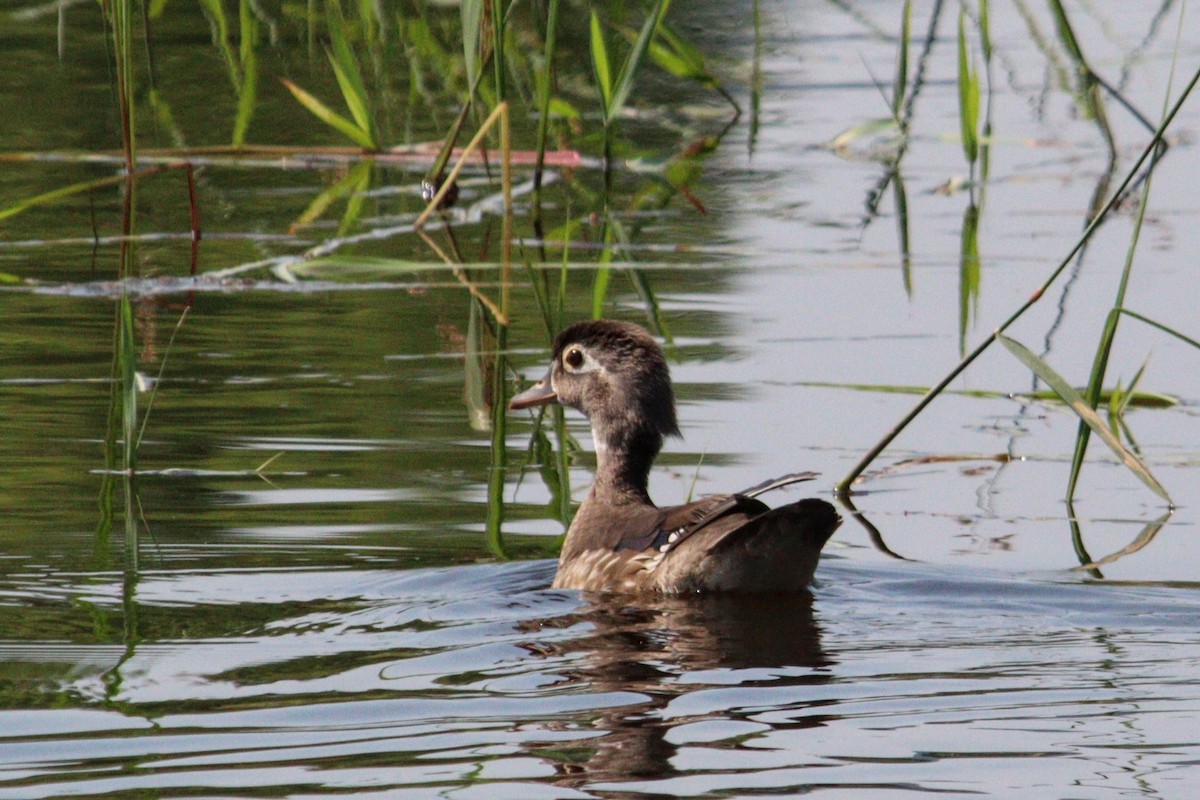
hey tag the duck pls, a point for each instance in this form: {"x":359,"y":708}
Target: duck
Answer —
{"x":619,"y":541}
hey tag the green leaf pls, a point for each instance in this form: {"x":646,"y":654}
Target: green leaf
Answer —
{"x":472,"y":21}
{"x":1072,"y":398}
{"x":247,"y":90}
{"x":355,"y":101}
{"x":676,"y":55}
{"x":968,"y":95}
{"x":55,"y":195}
{"x":1164,"y":328}
{"x":1129,"y":394}
{"x":360,"y":181}
{"x":349,"y":267}
{"x":968,"y":273}
{"x":562,"y":109}
{"x":600,"y":65}
{"x":329,"y":116}
{"x":900,"y":81}
{"x":349,"y":78}
{"x":216,"y":12}
{"x":629,"y":67}
{"x":985,"y":31}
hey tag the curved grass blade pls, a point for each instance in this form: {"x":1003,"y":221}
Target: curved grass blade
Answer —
{"x":472,"y":20}
{"x":359,"y":182}
{"x":900,"y":80}
{"x":354,"y":181}
{"x":349,"y":78}
{"x":969,"y":275}
{"x":683,"y":59}
{"x":57,"y":194}
{"x":1118,"y":401}
{"x":247,"y":86}
{"x":623,"y":84}
{"x":222,"y":37}
{"x":600,"y":65}
{"x":1085,"y":413}
{"x":359,"y":267}
{"x":497,"y":475}
{"x":968,"y":95}
{"x":329,"y":116}
{"x":1164,"y":328}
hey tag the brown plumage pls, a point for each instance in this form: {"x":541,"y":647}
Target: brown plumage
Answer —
{"x":615,"y":373}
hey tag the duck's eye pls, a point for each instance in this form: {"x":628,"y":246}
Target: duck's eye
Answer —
{"x":573,"y":358}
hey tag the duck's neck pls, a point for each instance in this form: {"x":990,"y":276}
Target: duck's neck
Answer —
{"x":623,"y":460}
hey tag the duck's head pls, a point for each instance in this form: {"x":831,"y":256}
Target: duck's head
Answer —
{"x":615,"y":373}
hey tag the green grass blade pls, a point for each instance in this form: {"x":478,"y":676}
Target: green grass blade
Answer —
{"x":360,"y":181}
{"x":372,"y":267}
{"x":677,"y":55}
{"x":355,"y":101}
{"x":1118,"y":407}
{"x":600,"y":287}
{"x":900,"y":199}
{"x":127,"y":359}
{"x":316,"y":209}
{"x":600,"y":66}
{"x":985,"y":31}
{"x":57,"y":194}
{"x":1165,"y":329}
{"x":247,"y":89}
{"x":968,"y":95}
{"x":1066,"y":33}
{"x":1085,"y":413}
{"x":219,"y":21}
{"x":1108,"y":337}
{"x":900,"y":81}
{"x":499,"y":68}
{"x":349,"y":78}
{"x":497,"y":475}
{"x":633,"y":61}
{"x":969,"y":274}
{"x":329,"y":116}
{"x":472,"y":21}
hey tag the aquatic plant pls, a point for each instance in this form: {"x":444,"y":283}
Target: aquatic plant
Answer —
{"x":1084,"y":409}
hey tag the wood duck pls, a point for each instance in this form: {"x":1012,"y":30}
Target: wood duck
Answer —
{"x":615,"y":373}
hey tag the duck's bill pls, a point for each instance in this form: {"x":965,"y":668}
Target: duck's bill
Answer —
{"x":540,"y":394}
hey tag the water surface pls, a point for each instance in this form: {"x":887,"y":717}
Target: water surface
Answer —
{"x":316,"y":607}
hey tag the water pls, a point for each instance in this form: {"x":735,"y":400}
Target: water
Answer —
{"x":316,"y":607}
{"x":478,"y":680}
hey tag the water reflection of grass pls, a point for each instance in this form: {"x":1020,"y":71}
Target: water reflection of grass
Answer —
{"x":489,"y":58}
{"x":970,"y":265}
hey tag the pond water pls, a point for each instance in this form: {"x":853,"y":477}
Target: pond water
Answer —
{"x":325,"y":579}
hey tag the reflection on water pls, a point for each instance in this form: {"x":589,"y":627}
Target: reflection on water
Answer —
{"x":427,"y":680}
{"x":318,"y":603}
{"x":664,"y":649}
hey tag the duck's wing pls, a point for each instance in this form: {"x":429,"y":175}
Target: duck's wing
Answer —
{"x":773,"y":551}
{"x":675,"y":525}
